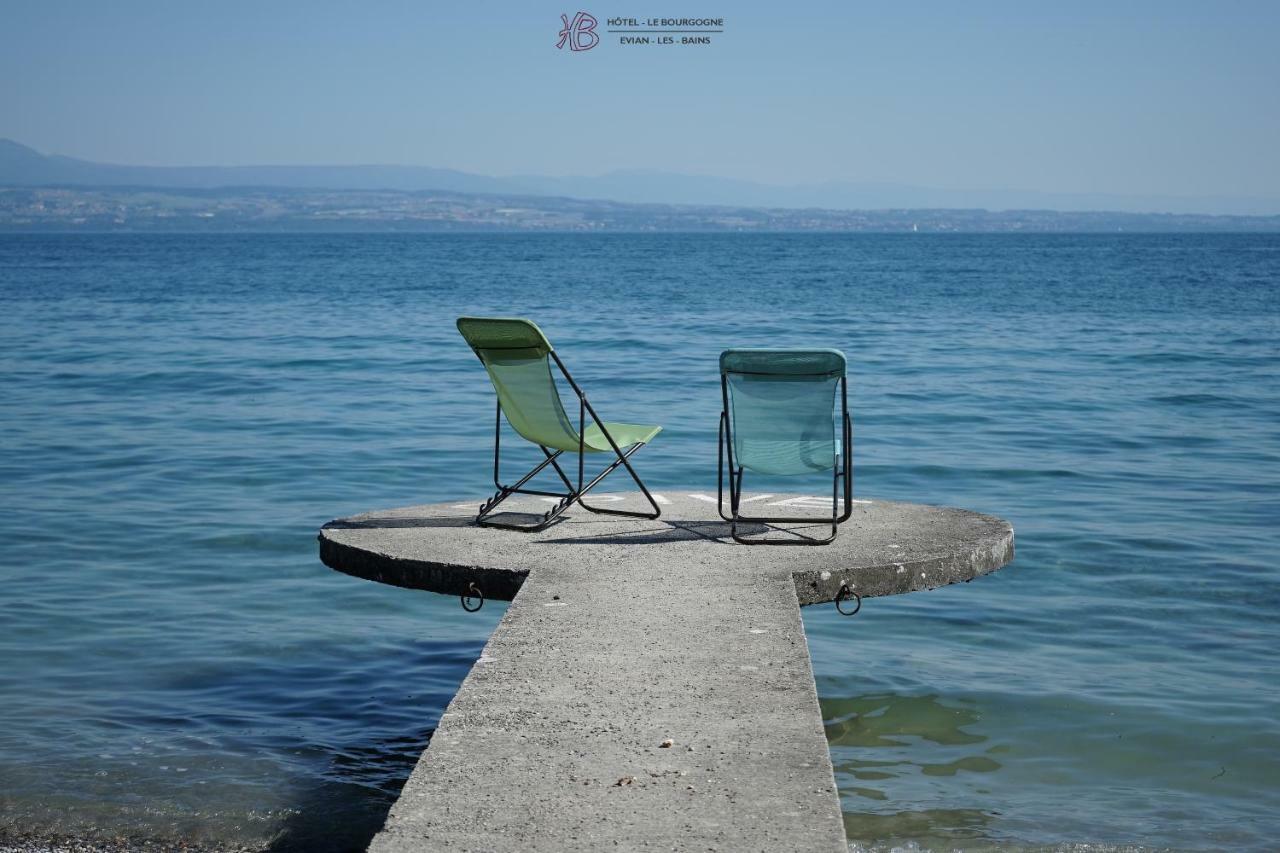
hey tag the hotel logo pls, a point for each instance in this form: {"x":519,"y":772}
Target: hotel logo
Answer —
{"x":580,"y":33}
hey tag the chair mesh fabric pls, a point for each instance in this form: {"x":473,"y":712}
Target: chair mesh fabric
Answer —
{"x":781,"y":405}
{"x":515,"y":353}
{"x":529,"y":398}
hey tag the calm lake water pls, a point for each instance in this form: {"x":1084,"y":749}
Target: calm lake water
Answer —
{"x":180,"y":414}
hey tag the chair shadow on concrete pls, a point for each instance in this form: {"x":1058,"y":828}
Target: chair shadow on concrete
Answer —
{"x":664,"y":531}
{"x":668,"y":530}
{"x":513,"y":518}
{"x":393,"y":522}
{"x":757,"y":528}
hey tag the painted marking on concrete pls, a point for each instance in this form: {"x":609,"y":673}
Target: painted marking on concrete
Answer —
{"x":702,"y":497}
{"x":755,"y":498}
{"x":661,"y":499}
{"x":803,"y":500}
{"x":814,"y":501}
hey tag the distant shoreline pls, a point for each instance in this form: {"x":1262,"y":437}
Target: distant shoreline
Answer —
{"x":22,"y":166}
{"x":74,"y":209}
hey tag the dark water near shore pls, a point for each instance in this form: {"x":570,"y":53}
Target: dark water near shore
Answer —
{"x":179,"y":414}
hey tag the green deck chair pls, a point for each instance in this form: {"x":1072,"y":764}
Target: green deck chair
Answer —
{"x":780,"y":417}
{"x":518,"y":359}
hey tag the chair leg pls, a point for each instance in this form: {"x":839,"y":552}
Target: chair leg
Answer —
{"x":733,"y":501}
{"x":800,"y":540}
{"x":835,"y":520}
{"x":573,"y":494}
{"x":623,"y":459}
{"x":566,"y":500}
{"x":548,"y":518}
{"x":488,"y":507}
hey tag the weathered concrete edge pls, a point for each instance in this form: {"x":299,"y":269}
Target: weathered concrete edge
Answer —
{"x":812,"y":586}
{"x":817,"y":587}
{"x":444,"y":578}
{"x":816,"y":704}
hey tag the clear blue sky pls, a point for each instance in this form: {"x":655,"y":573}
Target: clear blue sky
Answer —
{"x":1119,"y":97}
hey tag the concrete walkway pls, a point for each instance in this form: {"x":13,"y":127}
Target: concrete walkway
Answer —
{"x":650,"y":686}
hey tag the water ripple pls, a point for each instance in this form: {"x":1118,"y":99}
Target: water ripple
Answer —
{"x":181,"y":412}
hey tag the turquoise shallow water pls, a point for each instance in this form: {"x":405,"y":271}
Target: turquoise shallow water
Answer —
{"x":181,"y":413}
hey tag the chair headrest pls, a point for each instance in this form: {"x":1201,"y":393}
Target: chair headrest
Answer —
{"x":783,"y":362}
{"x":499,"y":333}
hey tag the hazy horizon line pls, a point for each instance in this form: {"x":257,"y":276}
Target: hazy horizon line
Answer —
{"x":720,"y":190}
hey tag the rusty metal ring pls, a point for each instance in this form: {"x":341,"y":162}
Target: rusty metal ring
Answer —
{"x":473,"y":591}
{"x":843,"y":595}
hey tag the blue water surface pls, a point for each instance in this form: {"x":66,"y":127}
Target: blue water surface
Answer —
{"x":180,"y":413}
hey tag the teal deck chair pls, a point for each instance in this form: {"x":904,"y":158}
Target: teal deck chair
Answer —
{"x":518,"y":359}
{"x":785,"y":412}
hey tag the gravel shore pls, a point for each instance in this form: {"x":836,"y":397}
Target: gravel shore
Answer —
{"x":36,"y":844}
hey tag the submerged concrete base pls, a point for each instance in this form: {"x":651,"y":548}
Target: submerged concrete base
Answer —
{"x":650,"y":685}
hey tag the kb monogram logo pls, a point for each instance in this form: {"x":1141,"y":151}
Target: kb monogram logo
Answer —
{"x":580,"y":33}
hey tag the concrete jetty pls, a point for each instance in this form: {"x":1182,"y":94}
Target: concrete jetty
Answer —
{"x":650,"y":686}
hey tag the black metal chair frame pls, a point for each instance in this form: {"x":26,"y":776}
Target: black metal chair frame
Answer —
{"x":574,"y":494}
{"x":842,"y":470}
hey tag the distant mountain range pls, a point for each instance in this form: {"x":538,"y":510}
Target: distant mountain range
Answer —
{"x":21,"y":166}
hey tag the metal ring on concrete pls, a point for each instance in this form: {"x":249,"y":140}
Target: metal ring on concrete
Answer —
{"x":473,"y":591}
{"x":843,"y":596}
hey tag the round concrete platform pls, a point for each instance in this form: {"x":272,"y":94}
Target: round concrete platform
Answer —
{"x":885,"y":548}
{"x":650,"y":686}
